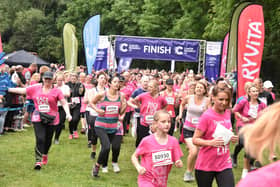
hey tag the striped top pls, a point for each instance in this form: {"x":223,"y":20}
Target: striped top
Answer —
{"x":109,"y":121}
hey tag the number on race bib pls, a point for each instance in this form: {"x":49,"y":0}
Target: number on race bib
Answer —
{"x":112,"y":109}
{"x":162,"y":158}
{"x":149,"y":118}
{"x":44,"y":108}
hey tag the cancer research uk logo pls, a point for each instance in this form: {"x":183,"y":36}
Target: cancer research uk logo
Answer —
{"x":125,"y":47}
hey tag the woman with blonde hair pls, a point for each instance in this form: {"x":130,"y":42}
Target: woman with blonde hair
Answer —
{"x":247,"y":111}
{"x":263,"y":135}
{"x":35,"y":78}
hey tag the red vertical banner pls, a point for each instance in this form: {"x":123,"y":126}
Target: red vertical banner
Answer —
{"x":224,"y":57}
{"x":1,"y":49}
{"x":250,"y":45}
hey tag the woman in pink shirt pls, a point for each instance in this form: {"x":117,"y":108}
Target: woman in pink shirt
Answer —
{"x":45,"y":98}
{"x":171,"y":98}
{"x":148,"y":102}
{"x":247,"y":110}
{"x":262,"y":135}
{"x":158,"y":153}
{"x":213,"y":160}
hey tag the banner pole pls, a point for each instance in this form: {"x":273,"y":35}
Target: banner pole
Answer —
{"x":172,"y":65}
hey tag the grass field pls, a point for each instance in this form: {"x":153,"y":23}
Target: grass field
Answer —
{"x":70,"y":164}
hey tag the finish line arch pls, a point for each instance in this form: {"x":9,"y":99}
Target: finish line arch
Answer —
{"x":154,"y":48}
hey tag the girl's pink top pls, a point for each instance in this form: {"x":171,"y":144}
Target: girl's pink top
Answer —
{"x":157,"y":159}
{"x":127,"y":91}
{"x":171,"y":102}
{"x":44,"y":102}
{"x":213,"y":158}
{"x":148,"y":106}
{"x":244,"y":108}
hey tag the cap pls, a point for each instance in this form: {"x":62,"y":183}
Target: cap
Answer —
{"x":48,"y":75}
{"x":268,"y":84}
{"x":169,"y":82}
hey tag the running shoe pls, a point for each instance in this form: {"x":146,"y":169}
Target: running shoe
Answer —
{"x":95,"y":171}
{"x":83,"y":131}
{"x":56,"y":141}
{"x":105,"y":169}
{"x":44,"y":159}
{"x":26,"y":125}
{"x":70,"y":137}
{"x":92,"y":155}
{"x":38,"y":166}
{"x":89,"y":144}
{"x":116,"y":167}
{"x":244,"y":173}
{"x":75,"y":134}
{"x":234,"y":161}
{"x":188,"y":177}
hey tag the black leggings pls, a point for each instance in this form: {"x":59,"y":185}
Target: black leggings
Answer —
{"x":92,"y":137}
{"x":172,"y":127}
{"x":105,"y":140}
{"x":116,"y":147}
{"x":60,"y":126}
{"x":224,"y":178}
{"x":126,"y":121}
{"x":43,"y":136}
{"x":73,"y":124}
{"x":141,"y":132}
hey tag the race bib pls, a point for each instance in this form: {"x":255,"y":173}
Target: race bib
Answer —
{"x":162,"y":158}
{"x":44,"y":108}
{"x":75,"y":100}
{"x":170,"y":100}
{"x":195,"y":120}
{"x":112,"y":109}
{"x":149,"y":118}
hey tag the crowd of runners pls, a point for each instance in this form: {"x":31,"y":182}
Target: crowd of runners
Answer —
{"x":150,"y":105}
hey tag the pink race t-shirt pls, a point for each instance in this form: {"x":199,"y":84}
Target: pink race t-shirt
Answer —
{"x":157,"y":159}
{"x":243,"y":107}
{"x":213,"y":158}
{"x":265,"y":176}
{"x":148,"y":107}
{"x":44,"y":102}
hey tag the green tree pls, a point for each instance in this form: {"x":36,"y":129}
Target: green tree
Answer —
{"x":193,"y":21}
{"x":158,"y":17}
{"x":27,"y":25}
{"x":126,"y":15}
{"x":219,"y":16}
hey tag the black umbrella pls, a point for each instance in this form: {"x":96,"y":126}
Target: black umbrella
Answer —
{"x":23,"y":58}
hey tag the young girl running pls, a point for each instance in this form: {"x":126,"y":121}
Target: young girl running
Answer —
{"x":213,"y":159}
{"x":158,"y":152}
